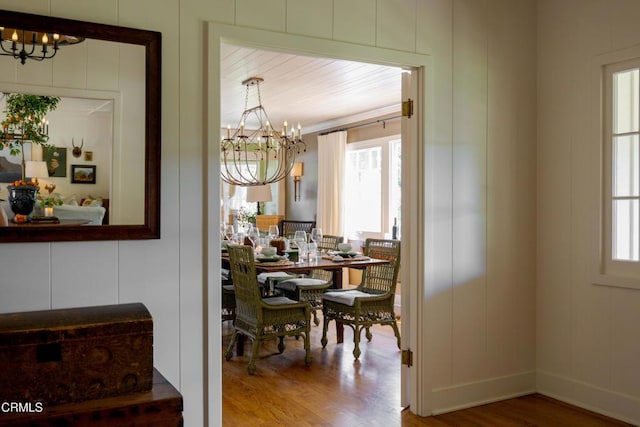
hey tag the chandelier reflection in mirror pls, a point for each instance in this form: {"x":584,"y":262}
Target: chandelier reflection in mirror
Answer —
{"x":27,"y":44}
{"x":260,"y":155}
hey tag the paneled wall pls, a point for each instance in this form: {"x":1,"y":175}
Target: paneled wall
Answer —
{"x":69,"y":274}
{"x":478,"y":324}
{"x":587,"y":335}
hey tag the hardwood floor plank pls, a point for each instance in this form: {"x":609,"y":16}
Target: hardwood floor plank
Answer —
{"x":335,"y":391}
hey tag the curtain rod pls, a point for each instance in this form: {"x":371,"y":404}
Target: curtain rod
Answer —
{"x":362,"y":124}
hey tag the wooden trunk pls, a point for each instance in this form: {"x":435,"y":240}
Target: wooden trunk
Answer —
{"x":77,"y":354}
{"x":160,"y":407}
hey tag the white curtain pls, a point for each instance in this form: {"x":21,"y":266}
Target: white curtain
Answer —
{"x":331,"y":157}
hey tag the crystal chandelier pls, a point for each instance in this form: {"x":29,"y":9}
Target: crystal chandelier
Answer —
{"x":27,"y":44}
{"x":262,"y":155}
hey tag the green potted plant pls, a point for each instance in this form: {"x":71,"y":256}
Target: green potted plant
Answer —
{"x":25,"y":122}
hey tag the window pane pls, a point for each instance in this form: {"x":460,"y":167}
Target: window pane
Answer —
{"x":625,"y":166}
{"x":625,"y":242}
{"x":625,"y":101}
{"x":363,"y":190}
{"x":395,"y":184}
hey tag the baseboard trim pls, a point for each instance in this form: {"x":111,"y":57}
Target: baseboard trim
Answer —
{"x":596,"y":399}
{"x":467,"y":395}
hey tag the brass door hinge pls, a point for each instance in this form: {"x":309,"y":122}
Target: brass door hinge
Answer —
{"x":407,"y":358}
{"x":407,"y":108}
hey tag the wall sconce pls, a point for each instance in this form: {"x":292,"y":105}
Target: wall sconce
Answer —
{"x":296,"y":173}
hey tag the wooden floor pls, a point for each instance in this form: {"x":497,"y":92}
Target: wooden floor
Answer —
{"x":335,"y":391}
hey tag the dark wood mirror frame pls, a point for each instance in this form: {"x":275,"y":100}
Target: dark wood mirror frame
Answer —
{"x":151,"y":41}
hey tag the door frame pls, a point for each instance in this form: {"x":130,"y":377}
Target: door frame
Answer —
{"x":413,"y":250}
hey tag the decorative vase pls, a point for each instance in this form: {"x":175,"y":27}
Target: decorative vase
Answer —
{"x":22,"y":199}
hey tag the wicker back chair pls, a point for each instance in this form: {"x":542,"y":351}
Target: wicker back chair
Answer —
{"x":372,"y":301}
{"x":329,"y":243}
{"x":288,"y":227}
{"x":260,"y":318}
{"x":228,"y":297}
{"x":312,"y":287}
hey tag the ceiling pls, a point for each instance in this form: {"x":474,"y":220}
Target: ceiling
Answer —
{"x":318,"y":93}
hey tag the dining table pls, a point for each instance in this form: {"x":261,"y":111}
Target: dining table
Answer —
{"x":325,"y":262}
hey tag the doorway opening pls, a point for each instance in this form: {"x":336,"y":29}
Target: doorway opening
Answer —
{"x":412,"y":154}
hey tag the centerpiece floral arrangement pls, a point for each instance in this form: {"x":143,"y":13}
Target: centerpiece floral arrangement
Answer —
{"x":245,"y":216}
{"x":50,"y":200}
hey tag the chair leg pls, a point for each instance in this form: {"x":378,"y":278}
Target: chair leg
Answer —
{"x":394,"y":325}
{"x":368,"y":334}
{"x":281,"y":344}
{"x":325,"y":326}
{"x":307,"y":346}
{"x":254,"y":355}
{"x":316,"y":321}
{"x":357,"y":331}
{"x":229,"y":354}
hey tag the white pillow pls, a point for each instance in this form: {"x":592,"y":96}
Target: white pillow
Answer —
{"x":72,"y":201}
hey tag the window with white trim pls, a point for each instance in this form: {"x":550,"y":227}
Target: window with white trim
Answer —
{"x":372,"y":187}
{"x":621,"y":179}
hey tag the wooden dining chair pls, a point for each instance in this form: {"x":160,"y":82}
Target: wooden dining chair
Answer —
{"x":259,"y":318}
{"x":372,"y":301}
{"x":311,"y":288}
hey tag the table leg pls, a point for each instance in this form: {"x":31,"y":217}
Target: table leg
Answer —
{"x":240,"y":345}
{"x":337,"y":282}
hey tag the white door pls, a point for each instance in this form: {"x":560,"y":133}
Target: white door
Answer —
{"x":412,"y":234}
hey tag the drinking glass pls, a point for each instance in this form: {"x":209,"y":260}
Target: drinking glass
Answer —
{"x":273,"y":231}
{"x":316,"y":234}
{"x":300,"y":236}
{"x":302,"y":250}
{"x":312,"y":251}
{"x":254,"y":235}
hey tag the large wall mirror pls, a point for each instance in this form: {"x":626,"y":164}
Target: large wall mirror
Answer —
{"x":106,"y":125}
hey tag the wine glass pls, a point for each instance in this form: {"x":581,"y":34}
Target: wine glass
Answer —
{"x":300,"y":237}
{"x":228,"y":232}
{"x":316,"y":234}
{"x":254,"y":235}
{"x":273,"y":232}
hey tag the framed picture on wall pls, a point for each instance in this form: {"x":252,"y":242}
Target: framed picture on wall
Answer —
{"x":56,"y":159}
{"x":9,"y":171}
{"x":83,"y":174}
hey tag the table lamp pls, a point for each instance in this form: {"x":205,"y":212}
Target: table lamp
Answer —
{"x":259,"y":193}
{"x":35,"y":170}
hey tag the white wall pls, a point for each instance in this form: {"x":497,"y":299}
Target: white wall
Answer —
{"x":479,"y":316}
{"x":90,"y":273}
{"x":478,"y":326}
{"x":587,"y":335}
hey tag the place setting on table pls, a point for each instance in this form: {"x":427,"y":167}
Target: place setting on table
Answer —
{"x":278,"y":259}
{"x":299,"y":251}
